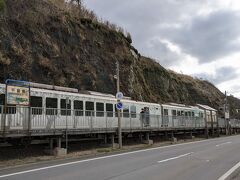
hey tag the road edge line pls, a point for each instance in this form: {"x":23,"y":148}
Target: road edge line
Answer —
{"x":230,"y":172}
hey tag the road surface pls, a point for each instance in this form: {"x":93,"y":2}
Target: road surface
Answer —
{"x":212,"y":159}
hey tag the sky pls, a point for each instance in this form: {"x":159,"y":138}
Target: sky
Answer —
{"x":200,"y":38}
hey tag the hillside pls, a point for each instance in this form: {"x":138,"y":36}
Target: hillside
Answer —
{"x":51,"y":42}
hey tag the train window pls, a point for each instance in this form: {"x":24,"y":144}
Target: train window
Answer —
{"x":116,"y":111}
{"x":65,"y":108}
{"x":100,"y":109}
{"x":165,"y":112}
{"x":90,"y":108}
{"x":186,"y":114}
{"x":109,"y":109}
{"x":182,"y":113}
{"x":179,"y":113}
{"x":36,"y":105}
{"x":78,"y":108}
{"x":174,"y":113}
{"x":133,"y":111}
{"x":125,"y":111}
{"x":51,"y":106}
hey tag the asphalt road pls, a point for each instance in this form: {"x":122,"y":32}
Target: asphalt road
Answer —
{"x":204,"y":160}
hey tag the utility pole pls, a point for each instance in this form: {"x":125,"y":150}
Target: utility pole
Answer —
{"x":118,"y":111}
{"x":225,"y":110}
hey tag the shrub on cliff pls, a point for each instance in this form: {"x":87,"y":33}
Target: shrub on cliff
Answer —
{"x":2,"y":5}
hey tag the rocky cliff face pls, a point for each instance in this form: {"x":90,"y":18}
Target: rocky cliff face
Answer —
{"x":50,"y":42}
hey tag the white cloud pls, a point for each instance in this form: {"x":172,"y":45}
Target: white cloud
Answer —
{"x":193,"y":37}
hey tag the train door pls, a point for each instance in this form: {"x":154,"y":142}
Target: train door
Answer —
{"x":136,"y":111}
{"x":165,"y":117}
{"x":78,"y":115}
{"x":209,"y":120}
{"x":90,"y":113}
{"x":111,"y":121}
{"x":65,"y":119}
{"x":52,"y":119}
{"x":145,"y":116}
{"x":154,"y":116}
{"x":174,"y":118}
{"x":100,"y":119}
{"x":134,"y":118}
{"x":126,"y":116}
{"x":37,"y":117}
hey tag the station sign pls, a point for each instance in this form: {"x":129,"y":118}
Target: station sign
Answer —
{"x":17,"y":95}
{"x":119,"y":95}
{"x":119,"y":105}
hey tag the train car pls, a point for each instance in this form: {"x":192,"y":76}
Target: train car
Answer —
{"x":210,"y":114}
{"x":180,"y":115}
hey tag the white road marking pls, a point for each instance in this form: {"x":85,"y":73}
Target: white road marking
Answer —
{"x":177,"y":157}
{"x":103,"y":157}
{"x":223,"y":144}
{"x":227,"y":174}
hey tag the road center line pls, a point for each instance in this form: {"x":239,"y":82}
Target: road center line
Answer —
{"x":103,"y":157}
{"x":223,"y":144}
{"x":227,"y":174}
{"x":177,"y":157}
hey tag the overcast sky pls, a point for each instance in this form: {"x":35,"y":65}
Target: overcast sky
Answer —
{"x":196,"y":37}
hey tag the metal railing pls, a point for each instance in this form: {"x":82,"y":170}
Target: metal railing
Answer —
{"x":51,"y":119}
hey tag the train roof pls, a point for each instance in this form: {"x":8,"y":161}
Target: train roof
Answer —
{"x":86,"y":94}
{"x":206,"y":107}
{"x":183,"y":106}
{"x":37,"y":87}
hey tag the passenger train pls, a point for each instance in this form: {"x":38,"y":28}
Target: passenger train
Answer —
{"x":60,"y":108}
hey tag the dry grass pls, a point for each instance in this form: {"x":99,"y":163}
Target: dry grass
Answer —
{"x":82,"y":12}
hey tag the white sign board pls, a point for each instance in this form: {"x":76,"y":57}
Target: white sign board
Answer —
{"x":18,"y":95}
